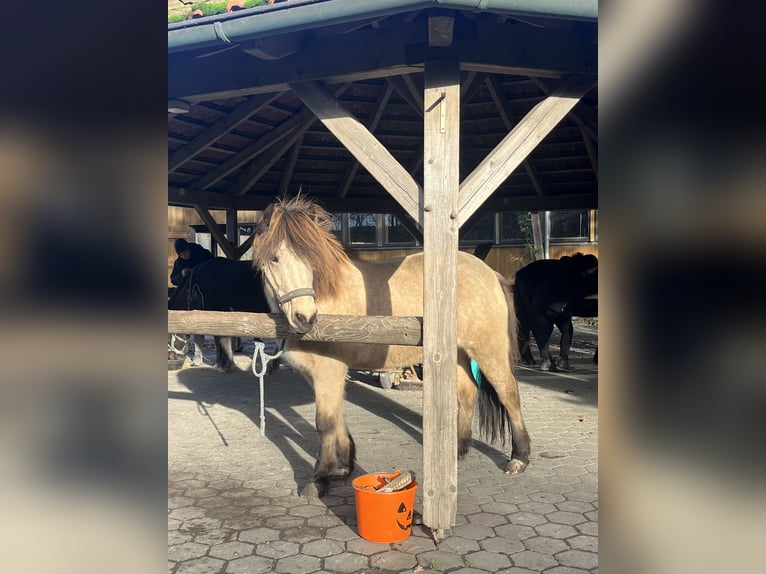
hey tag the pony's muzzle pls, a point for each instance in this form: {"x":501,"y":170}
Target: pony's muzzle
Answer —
{"x":303,"y":323}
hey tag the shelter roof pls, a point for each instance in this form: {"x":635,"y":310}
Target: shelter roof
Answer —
{"x":248,"y":137}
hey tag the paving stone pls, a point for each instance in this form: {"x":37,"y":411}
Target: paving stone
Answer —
{"x":341,"y":533}
{"x":204,"y":565}
{"x":575,"y":506}
{"x":459,"y":545}
{"x":323,"y":548}
{"x":491,"y":561}
{"x":213,"y":502}
{"x":284,"y":522}
{"x":346,"y":563}
{"x":258,"y":535}
{"x":549,"y":497}
{"x":187,"y":513}
{"x":415,"y":544}
{"x":561,"y":517}
{"x":179,"y":502}
{"x":502,"y":508}
{"x":244,"y":522}
{"x":267,"y":511}
{"x":178,"y":537}
{"x":471,"y":571}
{"x":231,"y":550}
{"x":553,"y":530}
{"x":393,"y":560}
{"x":250,"y":565}
{"x":487,"y":519}
{"x":578,"y":559}
{"x":526,"y":519}
{"x":584,"y":542}
{"x":546,"y":545}
{"x":365,"y":547}
{"x":299,"y":564}
{"x":589,"y":528}
{"x":515,"y":531}
{"x":198,"y":493}
{"x":566,"y":570}
{"x":440,"y":560}
{"x":500,"y":544}
{"x":277,"y":549}
{"x":225,"y":512}
{"x":216,"y":536}
{"x":325,"y":521}
{"x":186,"y":551}
{"x":302,"y":534}
{"x":473,"y":531}
{"x":533,"y":560}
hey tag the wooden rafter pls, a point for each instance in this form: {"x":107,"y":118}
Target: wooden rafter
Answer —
{"x":517,"y":145}
{"x":373,"y":155}
{"x":352,"y":168}
{"x":215,"y":231}
{"x":223,"y":126}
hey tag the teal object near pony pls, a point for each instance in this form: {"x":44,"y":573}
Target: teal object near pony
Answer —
{"x":476,"y":372}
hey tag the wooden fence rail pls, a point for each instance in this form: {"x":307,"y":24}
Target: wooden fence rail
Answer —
{"x":337,"y":328}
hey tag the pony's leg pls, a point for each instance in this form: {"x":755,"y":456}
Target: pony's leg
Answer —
{"x":564,"y":323}
{"x":195,"y":347}
{"x":224,"y":358}
{"x":542,"y":329}
{"x":504,"y":385}
{"x":467,"y":392}
{"x":336,"y":447}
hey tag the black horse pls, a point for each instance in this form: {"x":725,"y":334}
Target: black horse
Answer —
{"x":221,"y":284}
{"x":550,"y":292}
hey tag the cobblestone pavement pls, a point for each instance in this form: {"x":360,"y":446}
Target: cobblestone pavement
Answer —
{"x":232,"y":493}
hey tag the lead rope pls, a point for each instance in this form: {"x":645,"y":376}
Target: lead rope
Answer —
{"x":260,"y":355}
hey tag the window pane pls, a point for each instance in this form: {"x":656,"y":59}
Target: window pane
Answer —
{"x":396,"y":232}
{"x":337,"y":226}
{"x":516,"y":227}
{"x":569,"y":224}
{"x":361,"y":228}
{"x":484,"y":230}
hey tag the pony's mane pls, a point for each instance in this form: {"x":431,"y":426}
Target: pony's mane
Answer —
{"x":305,"y":228}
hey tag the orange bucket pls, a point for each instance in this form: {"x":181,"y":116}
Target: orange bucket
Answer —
{"x":383,"y":517}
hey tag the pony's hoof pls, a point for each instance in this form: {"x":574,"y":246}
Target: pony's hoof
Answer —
{"x":515,"y":466}
{"x":563,"y":365}
{"x":314,"y":489}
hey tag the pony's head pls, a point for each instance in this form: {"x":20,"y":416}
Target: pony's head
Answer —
{"x":299,"y":258}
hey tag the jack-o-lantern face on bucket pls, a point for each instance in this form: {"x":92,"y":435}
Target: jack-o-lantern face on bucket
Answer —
{"x":404,"y":517}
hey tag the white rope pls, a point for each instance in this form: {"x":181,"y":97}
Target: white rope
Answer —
{"x":261,"y":357}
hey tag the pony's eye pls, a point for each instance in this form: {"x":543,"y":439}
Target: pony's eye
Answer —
{"x":275,"y":259}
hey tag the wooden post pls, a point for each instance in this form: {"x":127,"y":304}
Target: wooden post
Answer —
{"x":440,"y":236}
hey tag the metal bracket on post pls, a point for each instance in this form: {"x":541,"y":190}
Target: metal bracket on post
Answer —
{"x":261,"y":357}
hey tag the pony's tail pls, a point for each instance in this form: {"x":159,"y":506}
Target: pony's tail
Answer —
{"x":494,"y":422}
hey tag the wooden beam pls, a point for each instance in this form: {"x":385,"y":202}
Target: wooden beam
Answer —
{"x":215,"y":231}
{"x":260,"y":165}
{"x":441,"y":147}
{"x":582,"y":114}
{"x":372,"y":125}
{"x":232,"y":228}
{"x":223,"y":126}
{"x":373,"y":329}
{"x":372,"y":154}
{"x":517,"y":145}
{"x":287,"y":172}
{"x":590,"y":147}
{"x":440,"y":30}
{"x":405,"y":87}
{"x":501,"y":108}
{"x":252,"y":150}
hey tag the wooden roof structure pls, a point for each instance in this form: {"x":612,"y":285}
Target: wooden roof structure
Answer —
{"x":249,"y":137}
{"x":434,"y":110}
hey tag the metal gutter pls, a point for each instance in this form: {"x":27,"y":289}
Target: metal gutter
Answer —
{"x":289,"y":17}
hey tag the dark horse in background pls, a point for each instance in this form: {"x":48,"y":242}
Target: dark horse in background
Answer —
{"x":221,"y":284}
{"x":550,"y":292}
